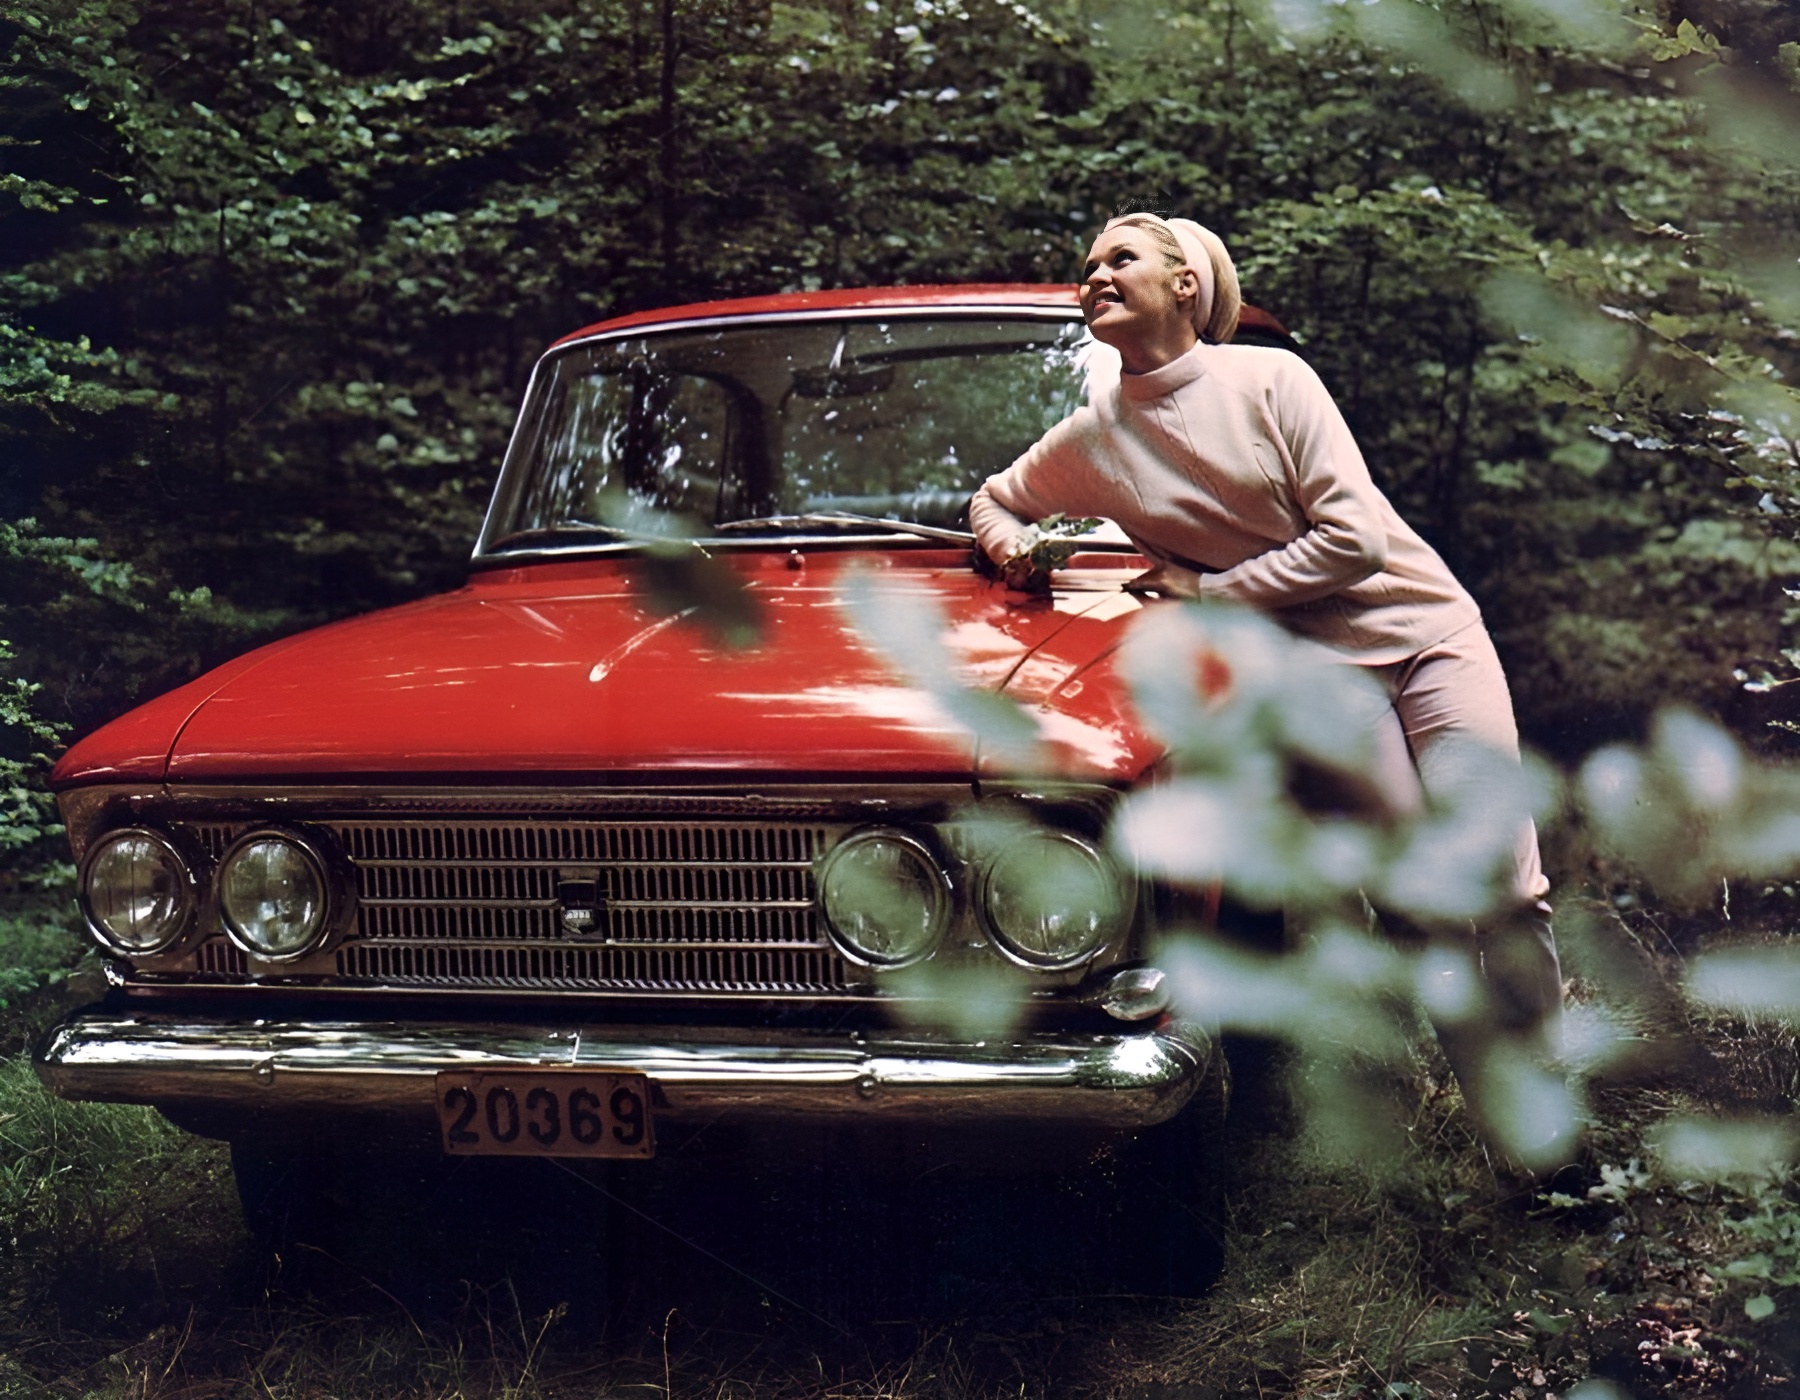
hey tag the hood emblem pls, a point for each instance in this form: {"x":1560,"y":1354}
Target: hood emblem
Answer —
{"x":581,"y":896}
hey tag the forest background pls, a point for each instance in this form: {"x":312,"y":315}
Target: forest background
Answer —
{"x":273,"y":274}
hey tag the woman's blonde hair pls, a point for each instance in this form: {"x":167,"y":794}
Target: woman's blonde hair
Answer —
{"x":1184,"y":243}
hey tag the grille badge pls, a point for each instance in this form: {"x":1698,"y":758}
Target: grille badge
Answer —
{"x":581,"y":894}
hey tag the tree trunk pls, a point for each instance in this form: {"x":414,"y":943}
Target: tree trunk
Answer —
{"x":666,"y":144}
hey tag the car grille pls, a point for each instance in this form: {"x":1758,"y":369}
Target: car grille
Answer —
{"x":673,"y":906}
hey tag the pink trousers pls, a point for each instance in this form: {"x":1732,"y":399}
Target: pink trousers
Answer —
{"x":1452,"y":717}
{"x":1449,"y":740}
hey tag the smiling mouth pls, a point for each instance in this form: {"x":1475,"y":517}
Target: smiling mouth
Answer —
{"x":1108,"y":299}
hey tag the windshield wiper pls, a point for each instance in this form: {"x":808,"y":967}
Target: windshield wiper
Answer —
{"x":843,"y":519}
{"x":549,"y":534}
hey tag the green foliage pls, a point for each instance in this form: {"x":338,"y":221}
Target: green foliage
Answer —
{"x":27,"y":815}
{"x":40,"y":943}
{"x":1046,"y":545}
{"x":97,"y":1191}
{"x":273,"y":278}
{"x":908,"y":629}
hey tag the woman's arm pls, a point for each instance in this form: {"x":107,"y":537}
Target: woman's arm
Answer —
{"x":996,"y":528}
{"x":1346,"y":539}
{"x":1046,"y":480}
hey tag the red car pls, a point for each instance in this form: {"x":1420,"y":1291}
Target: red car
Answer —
{"x":544,"y":866}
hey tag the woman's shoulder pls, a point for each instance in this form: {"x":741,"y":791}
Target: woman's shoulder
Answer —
{"x":1256,"y":361}
{"x":1262,"y":370}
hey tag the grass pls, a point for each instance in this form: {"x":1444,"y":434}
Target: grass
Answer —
{"x":125,"y":1270}
{"x":41,"y":945}
{"x":108,"y":1210}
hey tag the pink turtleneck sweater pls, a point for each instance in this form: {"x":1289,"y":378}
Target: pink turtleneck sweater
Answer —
{"x":1233,"y":460}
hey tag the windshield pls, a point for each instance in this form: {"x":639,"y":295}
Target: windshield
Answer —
{"x":898,"y":419}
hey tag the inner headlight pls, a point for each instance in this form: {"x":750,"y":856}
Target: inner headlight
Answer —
{"x":1051,"y":900}
{"x":273,"y":894}
{"x":884,"y":896}
{"x":137,"y":891}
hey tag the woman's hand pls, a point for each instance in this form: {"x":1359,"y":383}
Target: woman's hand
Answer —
{"x":1167,"y":581}
{"x":1022,"y":574}
{"x":1038,"y":549}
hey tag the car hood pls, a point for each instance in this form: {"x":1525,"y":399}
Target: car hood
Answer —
{"x":560,"y":670}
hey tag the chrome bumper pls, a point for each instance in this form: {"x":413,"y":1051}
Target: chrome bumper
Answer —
{"x":1118,"y":1081}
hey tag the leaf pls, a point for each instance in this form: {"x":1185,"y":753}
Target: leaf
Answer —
{"x":1549,"y":1325}
{"x":1754,"y":981}
{"x":1759,"y":1308}
{"x":684,"y":581}
{"x":1700,"y":1149}
{"x":1574,"y":334}
{"x":1531,"y":1109}
{"x":908,"y":628}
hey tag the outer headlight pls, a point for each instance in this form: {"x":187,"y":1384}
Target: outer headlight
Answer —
{"x":885,"y":898}
{"x":137,"y":891}
{"x":274,"y":894}
{"x":1051,"y":900}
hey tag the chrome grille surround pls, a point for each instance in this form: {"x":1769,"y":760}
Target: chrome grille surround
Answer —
{"x":466,"y":891}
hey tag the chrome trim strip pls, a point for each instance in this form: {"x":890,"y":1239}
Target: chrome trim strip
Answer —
{"x":754,"y":904}
{"x":88,"y":809}
{"x":638,"y":904}
{"x":595,"y":941}
{"x":190,"y":987}
{"x":843,"y":799}
{"x":558,"y":863}
{"x":367,"y":903}
{"x":512,"y":442}
{"x":1037,"y":311}
{"x":1122,"y":1081}
{"x":715,"y":544}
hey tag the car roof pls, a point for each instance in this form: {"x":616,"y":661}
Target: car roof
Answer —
{"x":968,"y":296}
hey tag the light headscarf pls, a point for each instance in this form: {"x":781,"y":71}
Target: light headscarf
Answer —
{"x":1218,"y":302}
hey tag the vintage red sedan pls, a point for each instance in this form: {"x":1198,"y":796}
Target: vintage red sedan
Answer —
{"x":548,"y":866}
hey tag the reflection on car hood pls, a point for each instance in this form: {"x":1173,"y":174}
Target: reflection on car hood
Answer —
{"x":558,"y":669}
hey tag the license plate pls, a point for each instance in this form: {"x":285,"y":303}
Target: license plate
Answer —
{"x":545,"y":1113}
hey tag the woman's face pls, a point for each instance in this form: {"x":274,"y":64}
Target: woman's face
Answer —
{"x":1131,"y":297}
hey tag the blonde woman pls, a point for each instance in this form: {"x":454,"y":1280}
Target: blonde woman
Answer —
{"x":1233,"y":471}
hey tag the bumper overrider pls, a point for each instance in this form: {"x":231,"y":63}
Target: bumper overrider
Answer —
{"x":299,"y":1067}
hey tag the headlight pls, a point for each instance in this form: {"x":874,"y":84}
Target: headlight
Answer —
{"x":885,"y":899}
{"x":273,"y":894}
{"x":137,"y":891}
{"x":1051,"y":900}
